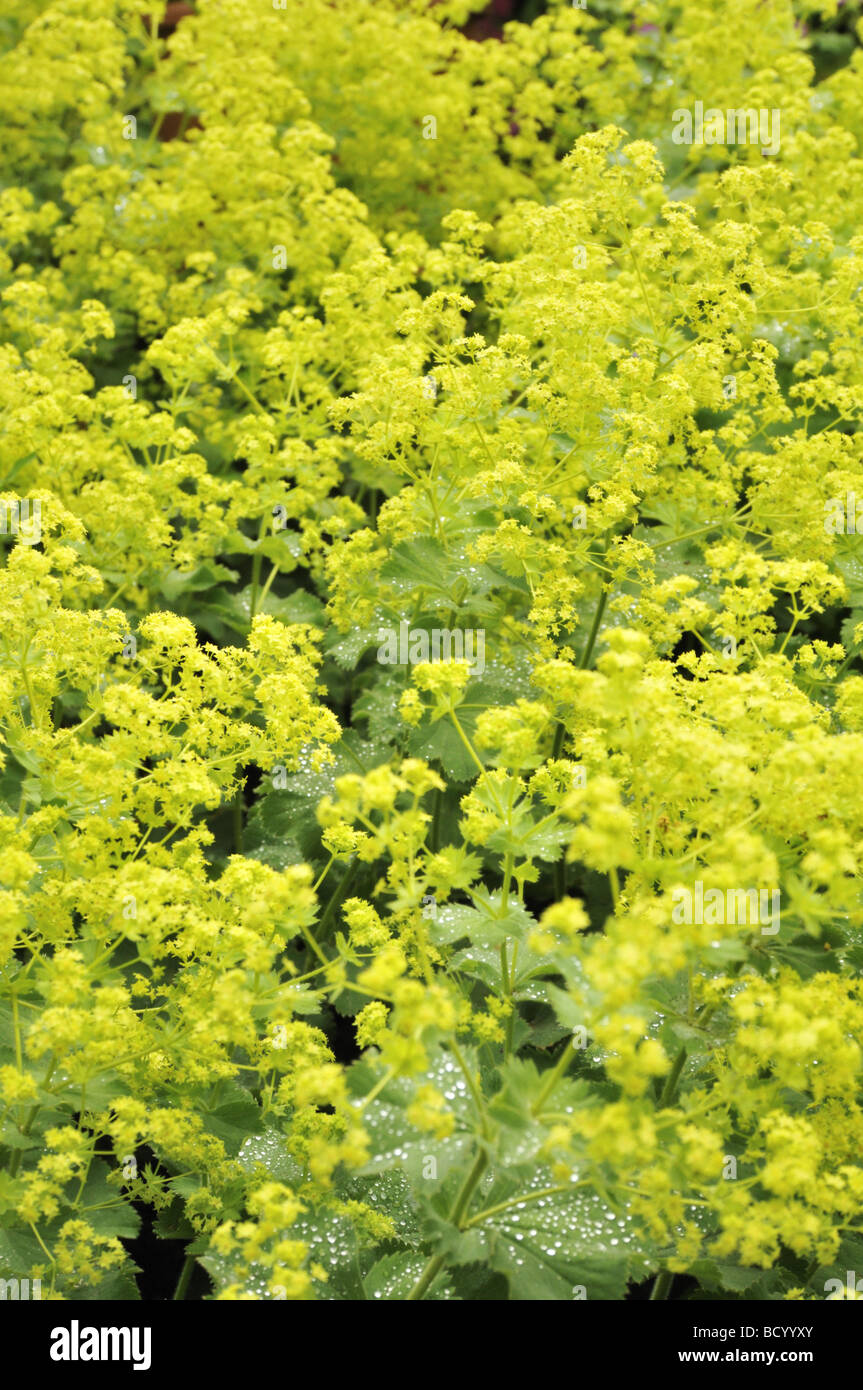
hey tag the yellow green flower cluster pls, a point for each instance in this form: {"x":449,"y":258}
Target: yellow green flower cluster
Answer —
{"x":323,"y":327}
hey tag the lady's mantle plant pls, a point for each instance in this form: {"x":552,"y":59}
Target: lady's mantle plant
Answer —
{"x":407,"y":978}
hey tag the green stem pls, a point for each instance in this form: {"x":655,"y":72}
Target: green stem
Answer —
{"x":471,"y":751}
{"x":266,"y":589}
{"x":661,"y":1285}
{"x":560,"y":866}
{"x":329,"y":864}
{"x":376,"y":1089}
{"x":560,"y":878}
{"x":506,"y":984}
{"x":434,"y":834}
{"x":846,"y":663}
{"x":462,"y":1202}
{"x":510,"y":1030}
{"x":521,"y":1200}
{"x":670,"y":1088}
{"x":554,"y":1076}
{"x":472,"y":1087}
{"x":257,"y":562}
{"x":594,"y":631}
{"x":15,"y":1160}
{"x":337,"y":897}
{"x":456,"y":1217}
{"x":559,"y":872}
{"x":426,"y":1279}
{"x":184,"y":1279}
{"x":507,"y":881}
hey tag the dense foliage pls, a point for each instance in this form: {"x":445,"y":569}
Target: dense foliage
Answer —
{"x":365,"y":974}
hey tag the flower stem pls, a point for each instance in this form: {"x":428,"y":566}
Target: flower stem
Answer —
{"x":554,"y":1076}
{"x":661,"y":1285}
{"x":185,"y":1278}
{"x":670,"y":1088}
{"x":460,"y":1206}
{"x":594,"y":631}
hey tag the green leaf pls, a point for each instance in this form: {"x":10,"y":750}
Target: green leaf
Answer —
{"x":422,"y":564}
{"x":332,"y":1244}
{"x":849,"y":1258}
{"x":236,"y":1116}
{"x":498,"y":686}
{"x":455,"y":921}
{"x":283,"y":822}
{"x":175,"y":584}
{"x":396,"y":1144}
{"x":570,"y":1013}
{"x":848,"y":560}
{"x":233,"y":610}
{"x":378,"y":708}
{"x":172,"y":1224}
{"x":393,"y":1277}
{"x":552,"y":1247}
{"x":19,"y":1252}
{"x":119,"y":1286}
{"x":346,"y":648}
{"x":719,"y":1274}
{"x":391,"y":1194}
{"x":103,"y":1207}
{"x":806,"y":956}
{"x":440,"y":742}
{"x":270,"y":1149}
